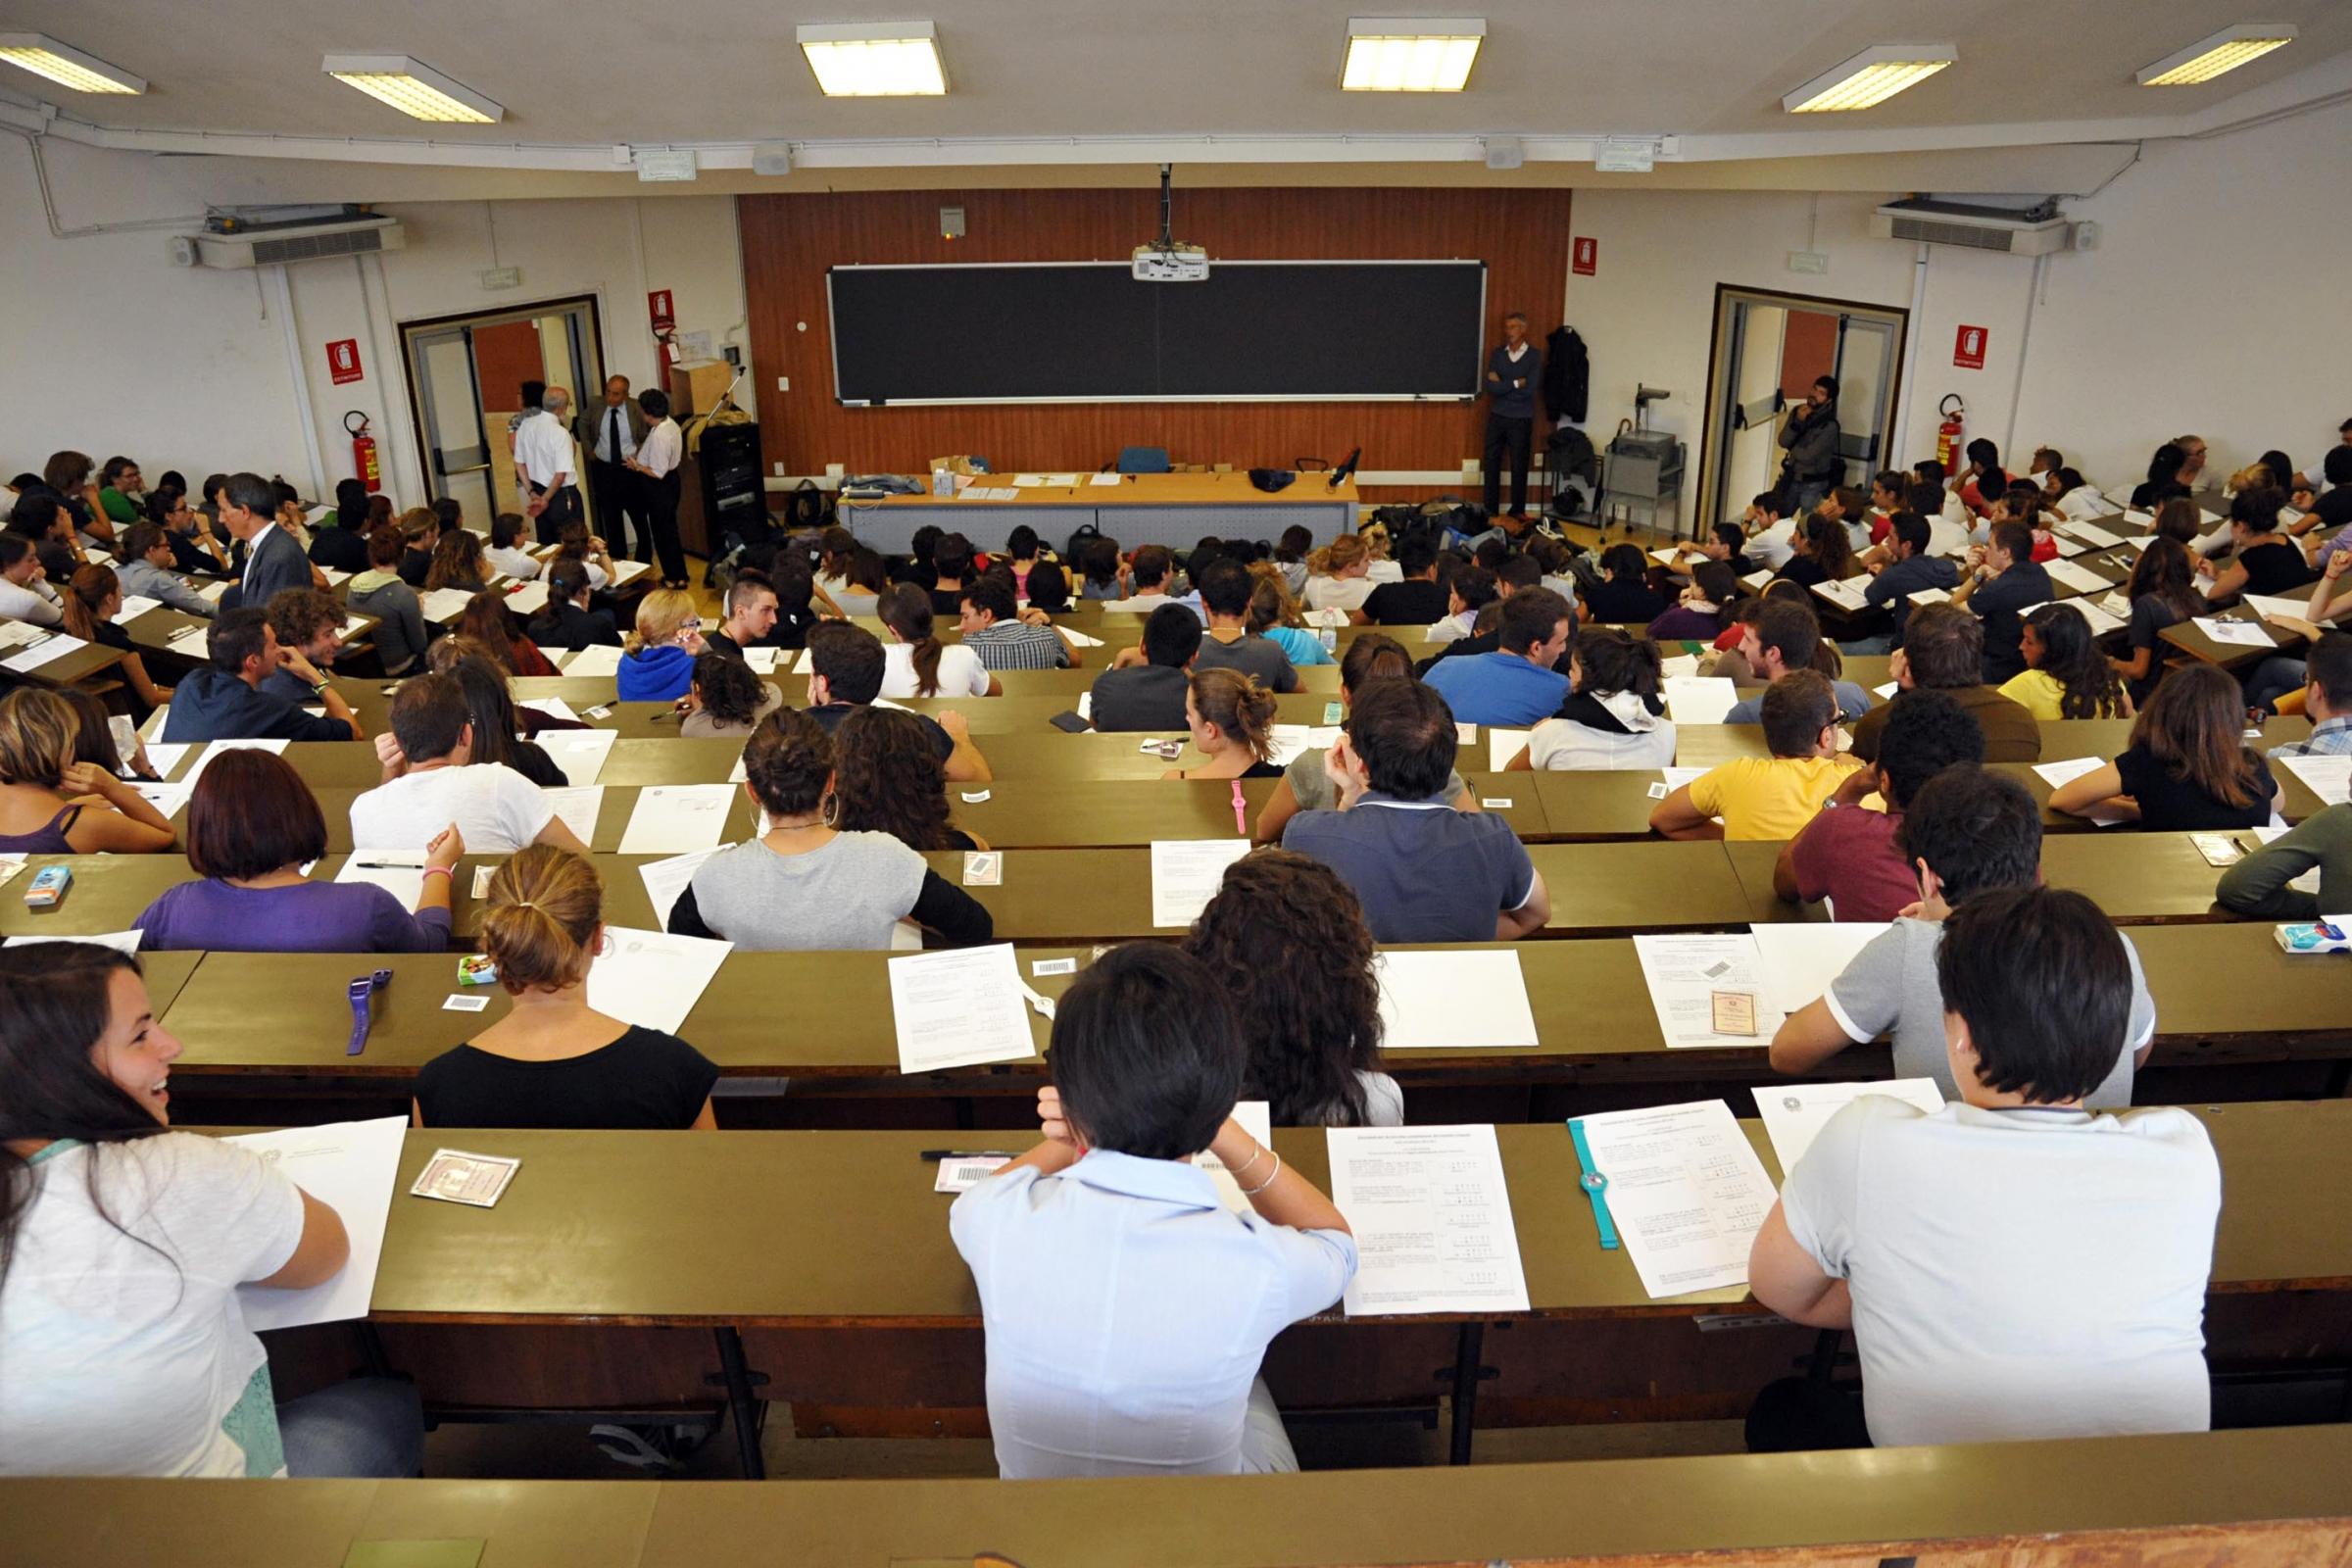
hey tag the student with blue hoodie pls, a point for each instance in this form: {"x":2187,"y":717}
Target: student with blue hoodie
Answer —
{"x":659,"y":663}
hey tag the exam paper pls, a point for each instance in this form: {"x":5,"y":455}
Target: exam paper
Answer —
{"x":2092,"y":535}
{"x":1079,"y":639}
{"x":552,"y":706}
{"x":1288,"y":741}
{"x":1431,"y":1218}
{"x":120,"y":941}
{"x":651,"y":979}
{"x":212,"y":592}
{"x":214,"y":751}
{"x":1931,"y":596}
{"x":626,"y":572}
{"x":2327,"y":777}
{"x":1186,"y":874}
{"x":529,"y":598}
{"x":1802,"y":958}
{"x":350,"y":1166}
{"x":2275,"y":608}
{"x":55,"y":646}
{"x":134,"y":606}
{"x":593,"y":661}
{"x":667,"y":880}
{"x":1686,"y":1191}
{"x":1699,"y":699}
{"x":2308,"y":882}
{"x":761,"y":659}
{"x":2066,"y":772}
{"x":1502,"y":745}
{"x":673,"y":818}
{"x":168,"y":798}
{"x":164,"y":757}
{"x":578,"y":807}
{"x":1846,"y":595}
{"x":1680,"y":666}
{"x":1106,"y":480}
{"x":2082,"y":579}
{"x":1683,"y":974}
{"x":579,"y":753}
{"x":2242,"y":632}
{"x":443,"y":604}
{"x":959,"y":1007}
{"x":1795,"y":1114}
{"x":1460,"y":1000}
{"x":192,"y":642}
{"x":399,"y":872}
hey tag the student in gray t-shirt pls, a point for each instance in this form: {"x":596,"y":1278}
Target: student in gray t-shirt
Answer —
{"x":1225,"y":590}
{"x":1976,"y":832}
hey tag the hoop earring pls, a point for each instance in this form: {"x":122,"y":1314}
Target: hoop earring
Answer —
{"x":828,"y":809}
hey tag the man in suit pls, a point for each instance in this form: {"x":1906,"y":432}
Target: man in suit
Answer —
{"x":272,"y":561}
{"x":610,"y":435}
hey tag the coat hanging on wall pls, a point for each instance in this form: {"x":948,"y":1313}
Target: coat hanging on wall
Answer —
{"x":1567,"y":374}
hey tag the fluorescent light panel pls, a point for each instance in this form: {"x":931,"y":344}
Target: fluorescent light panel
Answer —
{"x":413,"y":88}
{"x":2212,"y":57}
{"x":44,"y":56}
{"x":1410,"y":54}
{"x":874,"y":58}
{"x":1870,"y":78}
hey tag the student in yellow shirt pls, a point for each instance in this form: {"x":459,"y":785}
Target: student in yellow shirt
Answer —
{"x":2066,"y":677}
{"x":1774,"y":797}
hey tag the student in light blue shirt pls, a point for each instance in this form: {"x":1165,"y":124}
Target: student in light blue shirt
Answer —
{"x":1127,"y":1309}
{"x":1786,"y":636}
{"x":1515,"y":685}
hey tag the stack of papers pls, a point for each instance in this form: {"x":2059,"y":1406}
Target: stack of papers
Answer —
{"x":1431,"y":1218}
{"x":1758,"y":579}
{"x":579,"y":753}
{"x":1470,"y":1001}
{"x":678,"y":819}
{"x":350,"y":1166}
{"x":1795,"y":1114}
{"x":628,"y":571}
{"x":16,"y":633}
{"x":1699,"y":699}
{"x":1186,"y":874}
{"x":959,"y":1007}
{"x":529,"y":598}
{"x":443,"y":604}
{"x":2244,"y":633}
{"x":1931,"y":596}
{"x":1686,"y":1191}
{"x":651,"y":979}
{"x":1846,"y":595}
{"x":1709,"y":990}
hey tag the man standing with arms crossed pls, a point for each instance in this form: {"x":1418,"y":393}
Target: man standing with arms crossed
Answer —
{"x":1512,"y":371}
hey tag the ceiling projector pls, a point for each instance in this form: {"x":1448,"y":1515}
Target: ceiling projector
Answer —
{"x":1170,"y":264}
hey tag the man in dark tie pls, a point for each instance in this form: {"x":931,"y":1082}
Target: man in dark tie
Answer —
{"x":610,"y":435}
{"x":273,"y":561}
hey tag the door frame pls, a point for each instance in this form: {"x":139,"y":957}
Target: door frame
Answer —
{"x":587,"y":346}
{"x":1722,"y":362}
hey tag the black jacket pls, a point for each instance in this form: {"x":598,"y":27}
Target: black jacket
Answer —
{"x":1567,"y":374}
{"x":571,"y":627}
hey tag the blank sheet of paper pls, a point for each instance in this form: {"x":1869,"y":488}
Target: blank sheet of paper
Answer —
{"x":350,"y":1166}
{"x":1457,"y":1000}
{"x":676,"y":818}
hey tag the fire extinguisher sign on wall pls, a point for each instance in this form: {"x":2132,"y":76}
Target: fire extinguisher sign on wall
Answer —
{"x":1968,"y":347}
{"x":343,"y":360}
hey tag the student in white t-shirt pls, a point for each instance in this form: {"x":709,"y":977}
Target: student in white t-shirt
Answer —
{"x":428,"y":785}
{"x":123,"y":1351}
{"x":915,"y":663}
{"x":2014,"y":1265}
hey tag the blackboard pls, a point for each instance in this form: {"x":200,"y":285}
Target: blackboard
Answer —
{"x":1044,"y":332}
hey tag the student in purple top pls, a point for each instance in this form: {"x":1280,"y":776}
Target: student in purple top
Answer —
{"x":1706,"y":611}
{"x":253,"y":826}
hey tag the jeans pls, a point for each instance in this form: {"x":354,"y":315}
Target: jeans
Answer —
{"x":1808,"y":494}
{"x":2272,"y":679}
{"x":1869,"y":647}
{"x":366,"y":1429}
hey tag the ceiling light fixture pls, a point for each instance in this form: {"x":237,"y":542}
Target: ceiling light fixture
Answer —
{"x":2225,"y":51}
{"x":413,"y":88}
{"x":44,"y":56}
{"x":874,"y":58}
{"x":1871,"y":77}
{"x":1410,"y":54}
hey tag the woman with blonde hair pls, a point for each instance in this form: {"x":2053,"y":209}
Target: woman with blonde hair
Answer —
{"x":1336,"y":574}
{"x":553,"y":1060}
{"x":1232,"y":720}
{"x":52,"y":805}
{"x":657,"y":663}
{"x":1274,"y":615}
{"x":90,"y":602}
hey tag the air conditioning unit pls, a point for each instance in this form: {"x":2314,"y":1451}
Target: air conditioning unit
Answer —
{"x":2035,"y":231}
{"x":275,"y":247}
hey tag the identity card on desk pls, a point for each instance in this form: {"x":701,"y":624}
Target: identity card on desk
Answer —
{"x":651,"y":978}
{"x":959,"y":1007}
{"x":1684,"y":1188}
{"x":350,"y":1166}
{"x":1431,"y":1218}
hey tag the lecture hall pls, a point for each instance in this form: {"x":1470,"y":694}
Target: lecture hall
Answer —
{"x":627,"y":637}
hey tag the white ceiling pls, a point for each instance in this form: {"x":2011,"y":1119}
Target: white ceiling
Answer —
{"x":595,"y":72}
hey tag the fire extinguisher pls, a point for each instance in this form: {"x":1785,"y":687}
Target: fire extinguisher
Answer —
{"x":1947,"y":434}
{"x":363,"y":452}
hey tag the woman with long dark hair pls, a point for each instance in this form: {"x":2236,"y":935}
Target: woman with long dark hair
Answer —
{"x":2163,"y":592}
{"x":92,"y":598}
{"x":889,"y":780}
{"x":2189,"y":765}
{"x":916,"y":664}
{"x":2066,"y":677}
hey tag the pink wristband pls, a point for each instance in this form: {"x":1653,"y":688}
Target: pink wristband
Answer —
{"x":442,"y":869}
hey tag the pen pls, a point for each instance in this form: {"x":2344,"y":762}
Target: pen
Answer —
{"x":936,"y":1154}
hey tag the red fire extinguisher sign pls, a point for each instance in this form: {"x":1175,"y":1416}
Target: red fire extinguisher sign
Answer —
{"x":343,"y":360}
{"x":1968,"y":347}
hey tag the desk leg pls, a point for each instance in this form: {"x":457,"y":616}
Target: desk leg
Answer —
{"x":741,"y":1403}
{"x":1468,"y":1346}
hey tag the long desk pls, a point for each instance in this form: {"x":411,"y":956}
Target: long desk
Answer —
{"x":1175,"y":509}
{"x":2002,"y":1498}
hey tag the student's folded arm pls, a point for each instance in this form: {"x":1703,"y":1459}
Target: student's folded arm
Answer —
{"x":1678,"y":817}
{"x":2257,"y":884}
{"x":1784,"y":1278}
{"x":2079,"y":796}
{"x":558,"y":833}
{"x":966,"y":764}
{"x":319,"y":1254}
{"x":2137,"y":667}
{"x":1784,"y":884}
{"x":1809,"y":1037}
{"x":686,"y":917}
{"x":1280,"y":807}
{"x":1531,"y":916}
{"x":1521,"y":762}
{"x":943,"y":907}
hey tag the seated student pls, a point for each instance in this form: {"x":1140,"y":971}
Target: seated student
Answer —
{"x":429,"y":784}
{"x":1968,"y":833}
{"x":488,"y":623}
{"x":658,"y":664}
{"x":1004,"y":637}
{"x":1307,"y":784}
{"x":223,"y":699}
{"x":1080,"y":1246}
{"x":1767,"y":797}
{"x":1623,"y":597}
{"x":1825,"y":553}
{"x":146,"y":570}
{"x":1516,"y":684}
{"x":2262,"y":560}
{"x":866,"y":578}
{"x":1982,"y":480}
{"x":917,"y":664}
{"x":1231,"y":717}
{"x":2003,"y":580}
{"x":1943,"y":650}
{"x":309,"y":621}
{"x":554,"y":1060}
{"x":1704,"y":609}
{"x":2013,"y":1265}
{"x":1468,"y":592}
{"x":1424,"y":872}
{"x":127,"y":1244}
{"x":727,"y":699}
{"x":799,"y":604}
{"x":805,"y":884}
{"x":92,"y":598}
{"x":253,"y":826}
{"x":1145,"y":687}
{"x":53,"y":804}
{"x":2163,"y":592}
{"x":1285,"y":943}
{"x":1415,"y":599}
{"x":189,"y":533}
{"x":507,"y":553}
{"x":420,"y":534}
{"x":568,"y":621}
{"x":2077,"y":499}
{"x":1336,"y":575}
{"x":457,"y":563}
{"x":2164,"y":480}
{"x":1101,"y":572}
{"x":1771,"y":531}
{"x":2326,"y":680}
{"x":888,"y":780}
{"x":1047,"y":588}
{"x":2257,"y":886}
{"x":1614,"y":718}
{"x":751,"y":607}
{"x":2187,"y":766}
{"x":401,"y":633}
{"x":576,"y":544}
{"x":1786,"y":635}
{"x":1847,"y":853}
{"x":2066,"y":677}
{"x":1910,"y":569}
{"x":1726,"y":542}
{"x":1145,"y":580}
{"x":845,"y":676}
{"x":495,"y":717}
{"x":951,"y":573}
{"x":1022,"y":552}
{"x":94,"y":739}
{"x":25,"y":590}
{"x":1274,"y":615}
{"x":918,"y":568}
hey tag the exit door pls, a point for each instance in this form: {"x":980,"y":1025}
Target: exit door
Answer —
{"x":468,"y":379}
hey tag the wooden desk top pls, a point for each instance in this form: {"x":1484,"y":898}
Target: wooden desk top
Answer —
{"x":2190,"y":639}
{"x":1145,"y":490}
{"x":1525,"y":1513}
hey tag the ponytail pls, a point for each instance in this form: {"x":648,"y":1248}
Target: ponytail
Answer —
{"x":85,"y":593}
{"x":1240,"y":706}
{"x":907,"y":611}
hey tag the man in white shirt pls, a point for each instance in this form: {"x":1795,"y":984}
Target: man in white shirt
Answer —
{"x":655,"y":466}
{"x":429,"y":784}
{"x":1770,"y":535}
{"x":548,"y":465}
{"x":2013,"y":1266}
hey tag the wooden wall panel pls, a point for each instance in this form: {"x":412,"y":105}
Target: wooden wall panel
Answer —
{"x":790,"y":240}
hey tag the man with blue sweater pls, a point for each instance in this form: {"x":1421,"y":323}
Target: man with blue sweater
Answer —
{"x":1512,"y":372}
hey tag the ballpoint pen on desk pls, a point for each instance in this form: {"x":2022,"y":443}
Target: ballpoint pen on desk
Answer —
{"x":934,"y":1155}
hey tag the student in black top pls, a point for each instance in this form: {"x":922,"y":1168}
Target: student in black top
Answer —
{"x":342,"y":545}
{"x":493,"y":709}
{"x":553,"y":1060}
{"x":568,"y":621}
{"x":917,"y":569}
{"x":952,"y":565}
{"x":1231,"y":717}
{"x":2163,"y":593}
{"x":796,"y":606}
{"x":887,"y":779}
{"x":92,"y":597}
{"x":1145,"y":687}
{"x":2002,"y":580}
{"x":1825,"y":553}
{"x":1623,"y":597}
{"x":2164,"y":481}
{"x":2189,"y":765}
{"x":2263,"y":559}
{"x":750,"y":616}
{"x":1418,"y":600}
{"x":1049,"y":588}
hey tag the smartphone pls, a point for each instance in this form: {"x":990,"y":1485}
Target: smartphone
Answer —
{"x":1070,"y":722}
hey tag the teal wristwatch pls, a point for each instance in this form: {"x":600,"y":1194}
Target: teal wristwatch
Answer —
{"x":1595,"y":1186}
